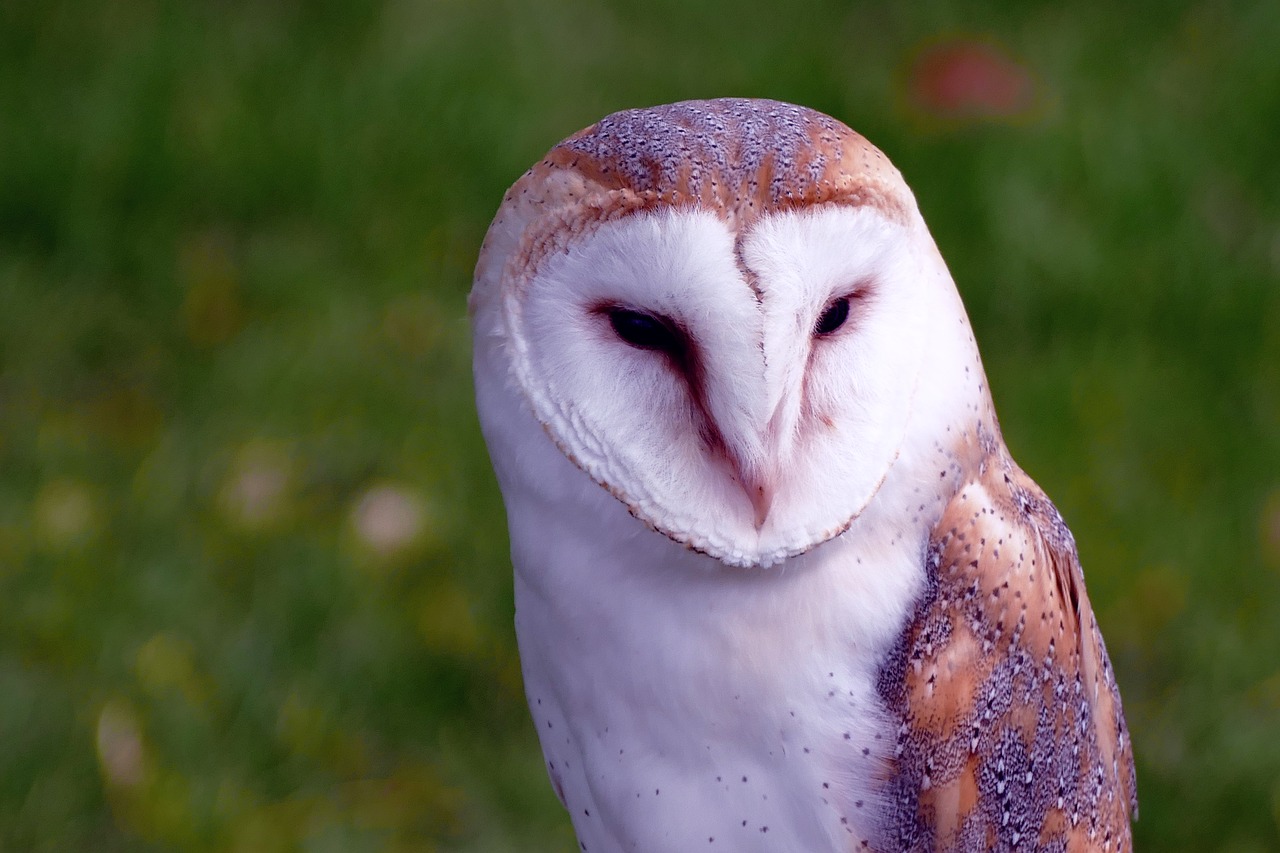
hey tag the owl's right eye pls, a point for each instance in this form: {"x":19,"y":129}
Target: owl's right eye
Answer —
{"x":645,"y":331}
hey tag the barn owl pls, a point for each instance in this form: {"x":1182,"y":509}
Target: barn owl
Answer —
{"x":779,"y":585}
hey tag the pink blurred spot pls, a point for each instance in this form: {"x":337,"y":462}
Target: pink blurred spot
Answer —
{"x":966,"y":79}
{"x":120,"y":748}
{"x":389,"y":519}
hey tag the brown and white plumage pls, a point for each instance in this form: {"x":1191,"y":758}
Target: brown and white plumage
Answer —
{"x":779,"y":585}
{"x":1011,"y":732}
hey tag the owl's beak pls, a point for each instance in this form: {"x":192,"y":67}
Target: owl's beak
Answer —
{"x":761,"y":495}
{"x":757,"y":486}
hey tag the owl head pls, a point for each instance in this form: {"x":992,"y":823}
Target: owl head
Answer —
{"x":730,"y":315}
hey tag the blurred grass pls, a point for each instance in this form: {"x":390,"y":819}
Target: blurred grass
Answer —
{"x":252,"y":558}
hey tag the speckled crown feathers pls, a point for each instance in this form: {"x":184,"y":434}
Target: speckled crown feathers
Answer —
{"x":738,"y":157}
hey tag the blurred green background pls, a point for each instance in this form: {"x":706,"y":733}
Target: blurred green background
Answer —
{"x":254,"y":589}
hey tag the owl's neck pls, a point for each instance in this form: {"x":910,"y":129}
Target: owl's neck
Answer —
{"x":658,"y":672}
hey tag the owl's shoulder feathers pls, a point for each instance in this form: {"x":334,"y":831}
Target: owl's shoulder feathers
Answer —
{"x":1011,"y":728}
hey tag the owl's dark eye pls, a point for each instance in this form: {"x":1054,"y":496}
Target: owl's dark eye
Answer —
{"x":645,"y":331}
{"x":833,"y":318}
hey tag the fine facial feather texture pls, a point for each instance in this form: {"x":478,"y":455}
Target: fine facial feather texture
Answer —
{"x":595,"y":394}
{"x":750,"y":610}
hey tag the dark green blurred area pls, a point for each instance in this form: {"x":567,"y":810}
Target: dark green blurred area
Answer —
{"x":252,"y":560}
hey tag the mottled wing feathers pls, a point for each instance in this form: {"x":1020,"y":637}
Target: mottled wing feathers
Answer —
{"x":1012,"y":734}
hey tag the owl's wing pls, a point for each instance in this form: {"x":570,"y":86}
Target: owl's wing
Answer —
{"x":1012,"y":732}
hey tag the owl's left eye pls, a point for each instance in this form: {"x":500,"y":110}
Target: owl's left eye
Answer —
{"x":833,"y":318}
{"x":645,"y":331}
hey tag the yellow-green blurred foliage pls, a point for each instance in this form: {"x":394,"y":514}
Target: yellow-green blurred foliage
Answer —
{"x":253,"y":563}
